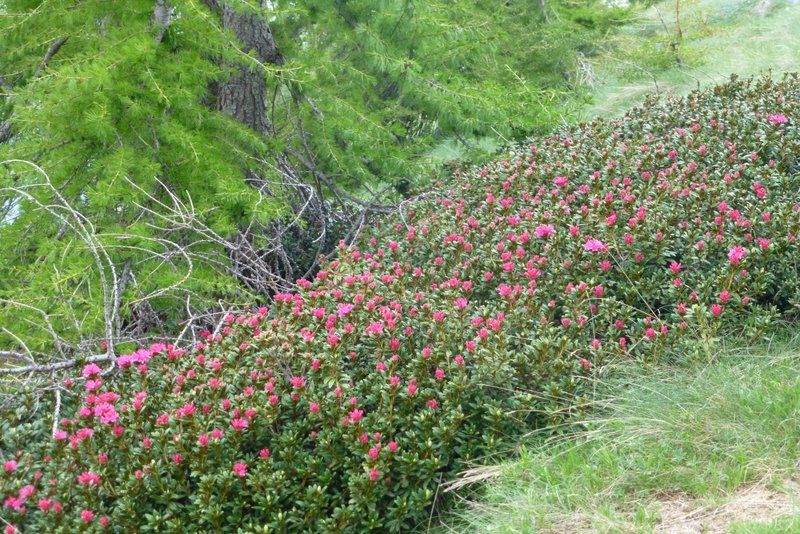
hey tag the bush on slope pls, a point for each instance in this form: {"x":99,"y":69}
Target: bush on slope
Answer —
{"x":446,"y":332}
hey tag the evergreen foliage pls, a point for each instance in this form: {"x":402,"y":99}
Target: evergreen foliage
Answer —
{"x":115,"y":103}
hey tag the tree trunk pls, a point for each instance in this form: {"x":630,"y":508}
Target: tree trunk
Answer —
{"x":243,"y":94}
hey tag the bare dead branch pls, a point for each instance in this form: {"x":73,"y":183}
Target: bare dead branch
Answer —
{"x":57,"y":366}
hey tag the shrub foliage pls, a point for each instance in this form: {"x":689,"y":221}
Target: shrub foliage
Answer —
{"x":449,"y":330}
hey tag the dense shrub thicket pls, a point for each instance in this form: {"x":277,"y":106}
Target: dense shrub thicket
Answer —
{"x":446,"y":332}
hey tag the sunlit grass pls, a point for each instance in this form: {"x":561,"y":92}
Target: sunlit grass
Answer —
{"x":719,"y":38}
{"x":697,"y":433}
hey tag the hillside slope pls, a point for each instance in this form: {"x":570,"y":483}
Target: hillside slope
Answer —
{"x":467,"y":319}
{"x":665,"y":52}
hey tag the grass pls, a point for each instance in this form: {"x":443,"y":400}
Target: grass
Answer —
{"x":789,"y":525}
{"x":718,"y":38}
{"x":690,"y":436}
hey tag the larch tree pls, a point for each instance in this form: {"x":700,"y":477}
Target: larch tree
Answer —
{"x":167,"y":160}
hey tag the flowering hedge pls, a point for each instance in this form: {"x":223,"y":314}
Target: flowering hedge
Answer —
{"x":445,"y":333}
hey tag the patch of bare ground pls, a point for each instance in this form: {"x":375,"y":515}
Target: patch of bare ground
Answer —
{"x":757,"y":503}
{"x":680,"y":514}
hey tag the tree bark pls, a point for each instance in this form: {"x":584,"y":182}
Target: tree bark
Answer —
{"x":162,"y":16}
{"x":51,"y":51}
{"x":5,"y":130}
{"x":243,"y":94}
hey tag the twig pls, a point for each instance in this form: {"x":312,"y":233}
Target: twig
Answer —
{"x":51,"y":51}
{"x":56,"y":412}
{"x":57,"y":366}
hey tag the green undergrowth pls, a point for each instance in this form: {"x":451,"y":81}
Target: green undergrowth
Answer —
{"x":665,"y":53}
{"x":697,"y":432}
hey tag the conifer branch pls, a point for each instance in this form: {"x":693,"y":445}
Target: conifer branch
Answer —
{"x":52,"y":50}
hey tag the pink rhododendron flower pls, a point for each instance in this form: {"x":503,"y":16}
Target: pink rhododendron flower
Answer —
{"x":26,"y":491}
{"x":544,"y":230}
{"x":84,"y":433}
{"x":375,"y":327}
{"x":298,"y":382}
{"x":240,"y":469}
{"x":239,"y":423}
{"x":736,"y":254}
{"x":88,"y":478}
{"x":777,"y":119}
{"x":141,"y":356}
{"x":595,"y":245}
{"x":14,"y":503}
{"x":356,"y":415}
{"x":91,"y":370}
{"x":106,"y":412}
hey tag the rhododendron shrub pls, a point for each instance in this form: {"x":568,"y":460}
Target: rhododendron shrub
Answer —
{"x":442,"y":335}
